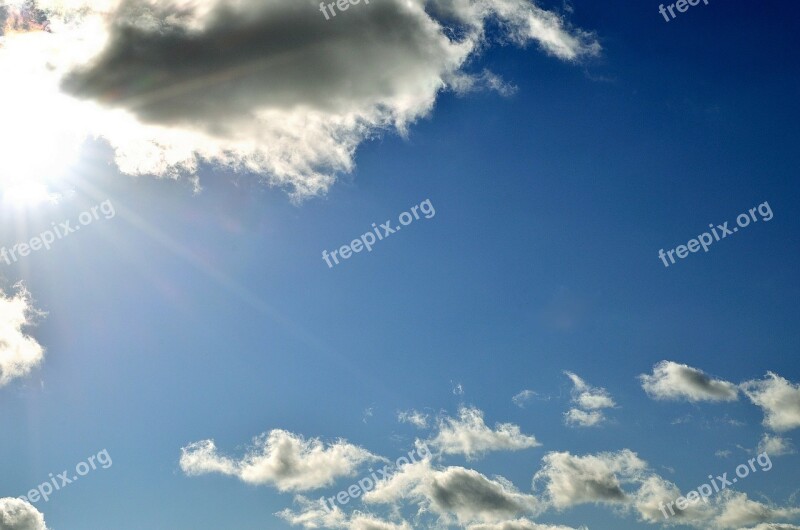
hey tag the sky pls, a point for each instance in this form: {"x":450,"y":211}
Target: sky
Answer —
{"x":421,"y":264}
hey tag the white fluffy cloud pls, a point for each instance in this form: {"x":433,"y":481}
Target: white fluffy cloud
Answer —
{"x":16,"y":514}
{"x":725,"y":510}
{"x":735,"y":510}
{"x":470,"y":436}
{"x":281,"y":459}
{"x":589,"y":400}
{"x":673,"y":381}
{"x":655,"y":493}
{"x":454,"y":492}
{"x":268,"y":87}
{"x":779,"y":399}
{"x":570,"y":480}
{"x":19,"y":353}
{"x":581,"y":418}
{"x":624,"y":481}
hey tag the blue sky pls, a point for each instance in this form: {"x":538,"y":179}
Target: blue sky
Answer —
{"x":203,"y":310}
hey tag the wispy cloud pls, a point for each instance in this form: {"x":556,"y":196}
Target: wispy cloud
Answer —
{"x":414,"y":417}
{"x":523,"y":397}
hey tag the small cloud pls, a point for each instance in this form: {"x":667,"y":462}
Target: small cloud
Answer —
{"x":570,"y":480}
{"x":581,"y":418}
{"x":458,"y":389}
{"x":19,"y":353}
{"x":414,"y":417}
{"x":367,"y":414}
{"x":775,"y":445}
{"x":587,"y":396}
{"x":590,"y":401}
{"x":676,"y":382}
{"x":778,"y":398}
{"x":466,"y":494}
{"x":681,"y":420}
{"x":723,"y":453}
{"x":469,"y":435}
{"x":525,"y":396}
{"x":727,"y":420}
{"x":281,"y":459}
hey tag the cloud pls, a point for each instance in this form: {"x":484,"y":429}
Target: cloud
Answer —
{"x":673,"y":381}
{"x":16,"y":514}
{"x":736,"y":510}
{"x":470,"y":436}
{"x":414,"y":417}
{"x":368,"y":413}
{"x":725,"y":510}
{"x":779,"y":399}
{"x":625,"y":482}
{"x":312,"y":514}
{"x":590,"y":400}
{"x":523,"y":397}
{"x":773,"y":526}
{"x":775,"y":445}
{"x":281,"y":459}
{"x":266,"y":87}
{"x":570,"y":480}
{"x":369,"y":522}
{"x":19,"y":353}
{"x":455,"y":491}
{"x":582,"y":418}
{"x":723,"y":453}
{"x":520,"y":524}
{"x":655,"y":493}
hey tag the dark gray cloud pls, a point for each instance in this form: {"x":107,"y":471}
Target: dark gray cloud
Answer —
{"x":273,"y":86}
{"x":261,"y":55}
{"x":458,"y":488}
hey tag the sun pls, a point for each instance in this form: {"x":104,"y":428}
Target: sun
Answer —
{"x":29,"y":194}
{"x":40,"y":128}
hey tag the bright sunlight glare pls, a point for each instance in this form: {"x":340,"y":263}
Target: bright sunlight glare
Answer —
{"x":41,"y":130}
